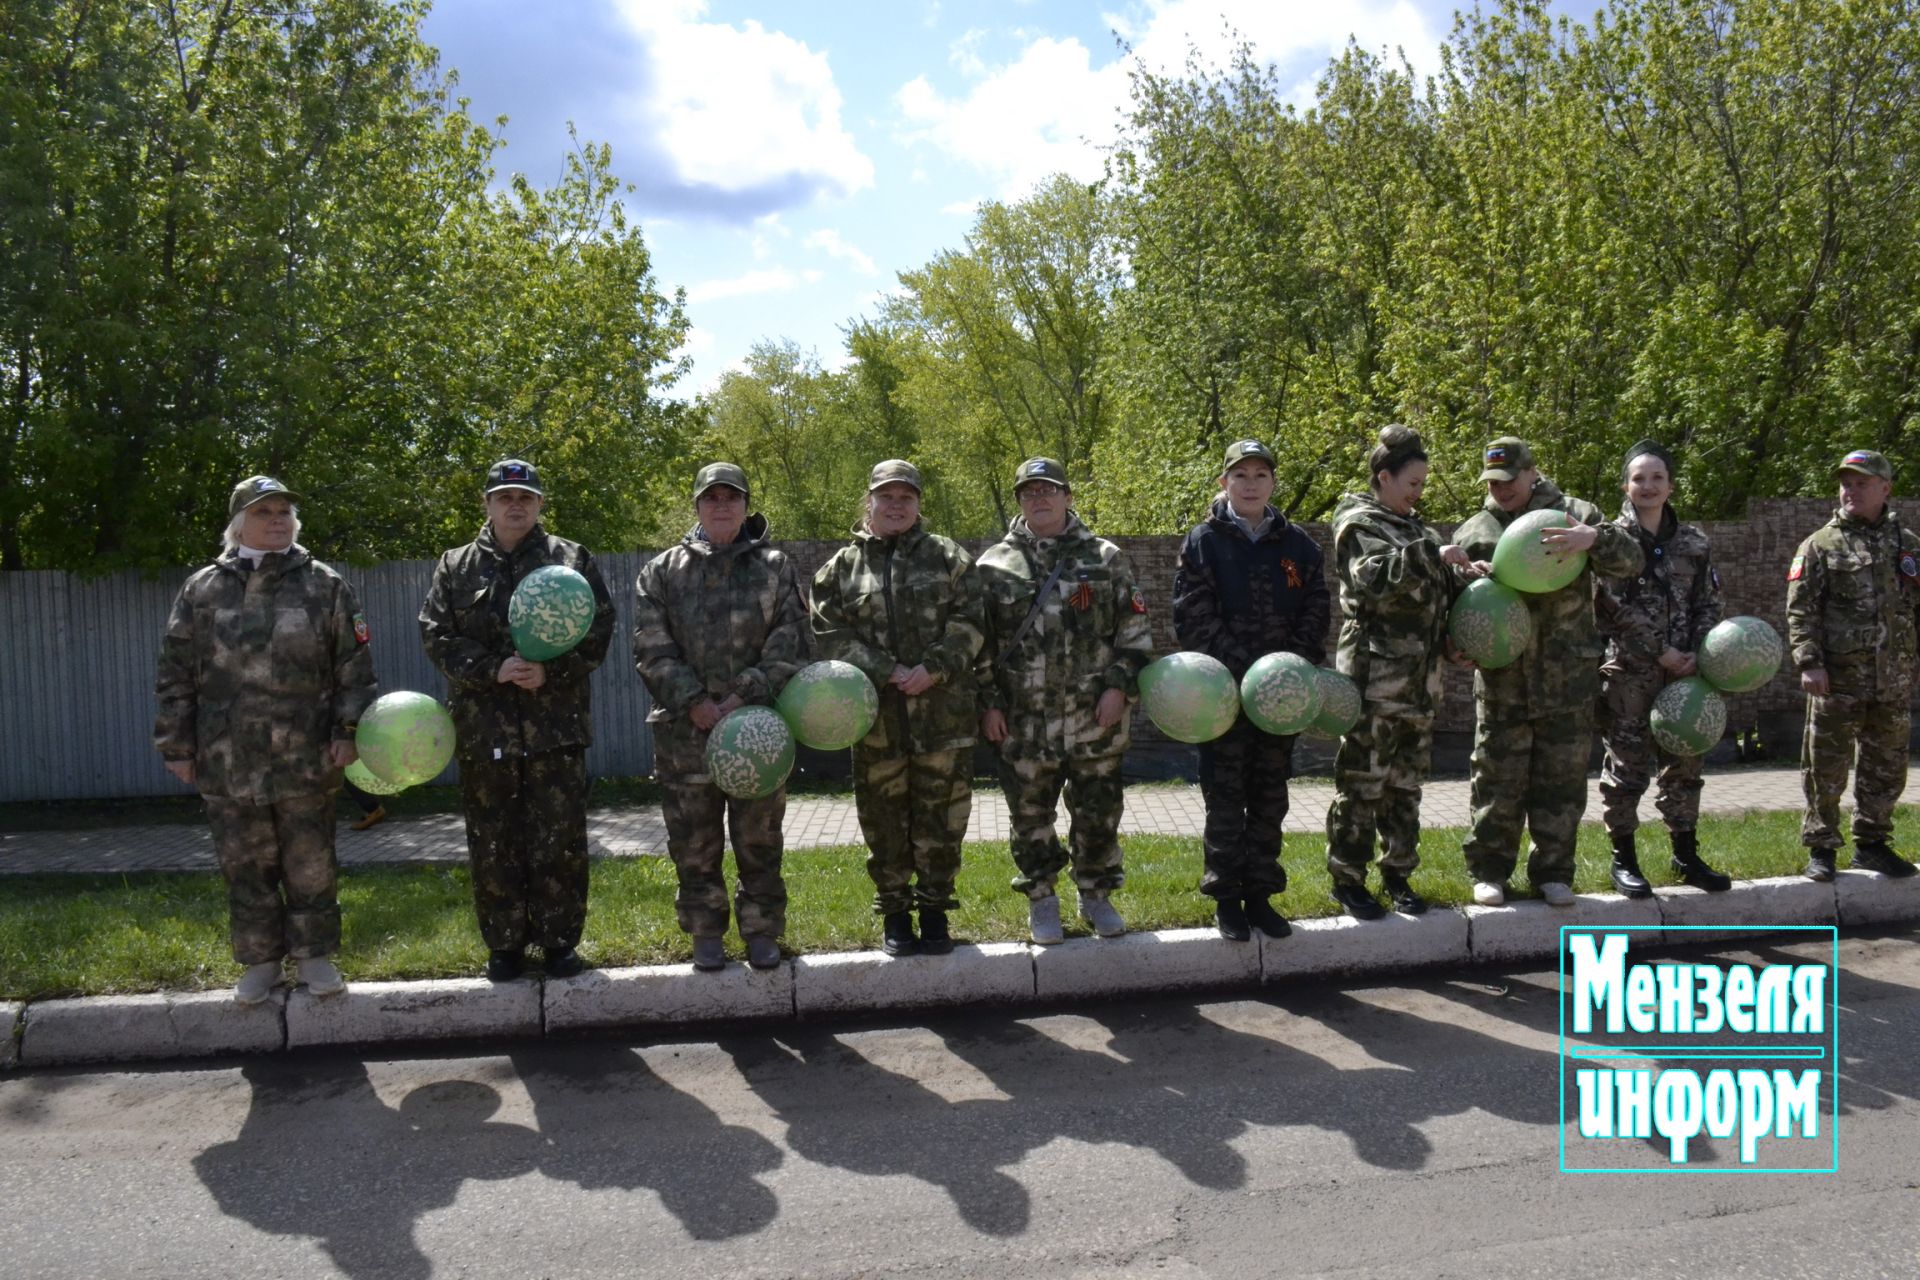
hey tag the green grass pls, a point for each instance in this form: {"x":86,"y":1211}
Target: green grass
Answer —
{"x":72,"y":935}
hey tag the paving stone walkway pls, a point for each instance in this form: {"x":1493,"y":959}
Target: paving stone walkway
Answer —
{"x":1156,"y":809}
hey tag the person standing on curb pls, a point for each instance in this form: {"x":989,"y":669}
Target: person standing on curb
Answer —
{"x":1397,"y":583}
{"x":1654,"y":622}
{"x":521,"y":729}
{"x":263,"y":674}
{"x":1066,"y":637}
{"x":1851,"y":594}
{"x":718,"y":624}
{"x":1533,"y":722}
{"x":1249,"y":583}
{"x":903,"y":605}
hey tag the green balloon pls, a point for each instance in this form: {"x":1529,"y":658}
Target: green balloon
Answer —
{"x":1281,"y":693}
{"x":551,"y":612}
{"x":1689,"y":717}
{"x":1491,"y":624}
{"x":405,"y":738}
{"x":1523,"y":562}
{"x":1190,"y":697}
{"x":1740,"y":654}
{"x":370,"y":782}
{"x":829,"y":705}
{"x":750,"y":753}
{"x":1339,"y":704}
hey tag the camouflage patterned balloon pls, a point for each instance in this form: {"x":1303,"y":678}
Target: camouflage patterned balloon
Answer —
{"x":1339,"y":704}
{"x":370,"y":782}
{"x":1491,"y":624}
{"x":829,"y":705}
{"x":551,"y":612}
{"x":1190,"y":697}
{"x":1523,"y":562}
{"x":1281,"y":693}
{"x":1740,"y":654}
{"x":750,"y":753}
{"x":1689,"y":717}
{"x":405,"y":738}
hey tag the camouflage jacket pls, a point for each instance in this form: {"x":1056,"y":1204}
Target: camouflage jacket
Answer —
{"x":710,"y":621}
{"x":1674,"y":599}
{"x":908,"y":600}
{"x":1851,"y":594}
{"x":1091,"y":635}
{"x":260,"y":670}
{"x":1561,"y":668}
{"x":1395,"y":594}
{"x":464,"y":626}
{"x":1240,"y":600}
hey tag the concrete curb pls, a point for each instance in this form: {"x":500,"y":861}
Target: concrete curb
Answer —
{"x":449,"y":1009}
{"x":1869,"y":898}
{"x":1531,"y":930}
{"x":143,"y":1028}
{"x":1135,"y":963}
{"x":667,"y":994}
{"x":1782,"y":900}
{"x":1342,"y":945}
{"x":858,"y":981}
{"x":11,"y":1012}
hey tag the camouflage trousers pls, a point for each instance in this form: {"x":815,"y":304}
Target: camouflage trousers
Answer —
{"x":699,"y":818}
{"x":1837,"y":727}
{"x":1633,"y":756}
{"x":281,"y":876}
{"x":527,"y":845}
{"x":1529,"y":773}
{"x":1094,"y":796}
{"x":913,"y":812}
{"x":1377,"y":775}
{"x":1243,"y":780}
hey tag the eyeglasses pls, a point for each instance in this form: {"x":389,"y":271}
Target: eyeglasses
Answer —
{"x":1040,"y":493}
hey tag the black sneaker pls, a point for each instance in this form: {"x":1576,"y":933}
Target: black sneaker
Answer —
{"x":896,"y":932}
{"x":1820,"y":865}
{"x":934,"y":938}
{"x":1402,"y":896}
{"x":1874,"y":855}
{"x":564,"y":962}
{"x":1358,"y":902}
{"x":1231,"y":919}
{"x":504,"y":966}
{"x":1262,"y":916}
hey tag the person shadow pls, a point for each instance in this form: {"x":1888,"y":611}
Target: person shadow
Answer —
{"x":320,"y":1155}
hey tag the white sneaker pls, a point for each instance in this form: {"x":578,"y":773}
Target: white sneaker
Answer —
{"x":321,"y":977}
{"x":1557,"y":894}
{"x":1043,"y":919}
{"x":1490,"y":894}
{"x":257,"y":983}
{"x":1100,"y":915}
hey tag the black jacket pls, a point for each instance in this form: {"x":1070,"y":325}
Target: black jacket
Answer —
{"x":1240,"y":600}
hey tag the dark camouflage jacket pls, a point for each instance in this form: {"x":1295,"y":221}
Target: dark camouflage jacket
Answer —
{"x":1089,"y":637}
{"x":1674,"y":599}
{"x":1561,"y":668}
{"x":710,"y":621}
{"x":1851,"y":593}
{"x":464,"y":626}
{"x":1394,"y":594}
{"x":260,"y":670}
{"x":1239,"y":600}
{"x":905,"y":601}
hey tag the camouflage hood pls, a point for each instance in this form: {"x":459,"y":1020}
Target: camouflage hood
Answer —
{"x":753,"y":533}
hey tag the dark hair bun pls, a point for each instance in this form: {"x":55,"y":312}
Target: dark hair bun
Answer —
{"x":1395,"y":437}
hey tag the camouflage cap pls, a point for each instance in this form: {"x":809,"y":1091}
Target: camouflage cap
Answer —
{"x":894,"y":471}
{"x":253,"y":489}
{"x":720,"y":473}
{"x":1506,"y":458}
{"x":1240,"y":450}
{"x":1040,"y":469}
{"x":514,"y":473}
{"x":1867,"y":463}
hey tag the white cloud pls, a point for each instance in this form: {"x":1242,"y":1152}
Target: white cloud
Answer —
{"x":829,"y":242}
{"x":963,"y":55}
{"x":962,"y":208}
{"x":747,"y":284}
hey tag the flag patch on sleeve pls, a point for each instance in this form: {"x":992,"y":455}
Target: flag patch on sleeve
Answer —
{"x":360,"y":631}
{"x":1138,"y":601}
{"x":1797,"y":570}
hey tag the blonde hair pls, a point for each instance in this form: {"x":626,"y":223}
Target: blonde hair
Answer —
{"x":231,"y":538}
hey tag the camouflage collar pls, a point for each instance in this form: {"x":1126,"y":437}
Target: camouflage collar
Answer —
{"x":1630,"y":521}
{"x":1889,"y":519}
{"x":1020,"y":531}
{"x":913,"y":533}
{"x":490,"y":545}
{"x":231,"y":560}
{"x":753,"y":532}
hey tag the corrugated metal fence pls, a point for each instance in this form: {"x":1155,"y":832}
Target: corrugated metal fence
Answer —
{"x":77,"y":667}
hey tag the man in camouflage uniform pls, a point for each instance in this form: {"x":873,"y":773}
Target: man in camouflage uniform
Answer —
{"x":1654,"y":622}
{"x":904,"y":606}
{"x":718,"y":625}
{"x":522,"y":729}
{"x":1851,"y":594}
{"x":263,"y":674}
{"x":1066,"y":637}
{"x":1533,"y":729}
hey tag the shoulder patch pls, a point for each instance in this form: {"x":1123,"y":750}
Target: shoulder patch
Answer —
{"x":360,"y":631}
{"x":1138,"y":601}
{"x":1713,"y":576}
{"x":1798,"y":569}
{"x":1909,"y":567}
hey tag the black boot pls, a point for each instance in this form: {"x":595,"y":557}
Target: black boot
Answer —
{"x":1231,"y":919}
{"x":504,"y":966}
{"x":1686,"y":861}
{"x":896,"y":928}
{"x":934,"y":938}
{"x":1819,"y":866}
{"x":1626,"y":869}
{"x":1261,"y":915}
{"x":1876,"y":855}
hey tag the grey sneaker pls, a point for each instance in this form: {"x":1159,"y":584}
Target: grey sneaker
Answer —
{"x":1043,"y":919}
{"x":1557,"y":894}
{"x":257,"y":983}
{"x":709,"y":954}
{"x":1101,"y":917}
{"x":321,"y":977}
{"x":1490,"y":893}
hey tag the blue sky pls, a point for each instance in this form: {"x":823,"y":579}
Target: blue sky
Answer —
{"x":791,"y":158}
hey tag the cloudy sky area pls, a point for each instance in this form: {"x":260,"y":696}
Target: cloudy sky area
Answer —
{"x":790,"y":159}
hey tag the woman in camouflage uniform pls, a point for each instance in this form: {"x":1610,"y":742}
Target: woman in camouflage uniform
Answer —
{"x":904,"y":606}
{"x":1397,"y":584}
{"x":263,"y":674}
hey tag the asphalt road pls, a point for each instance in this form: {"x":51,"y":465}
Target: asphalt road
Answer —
{"x":1408,"y":1130}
